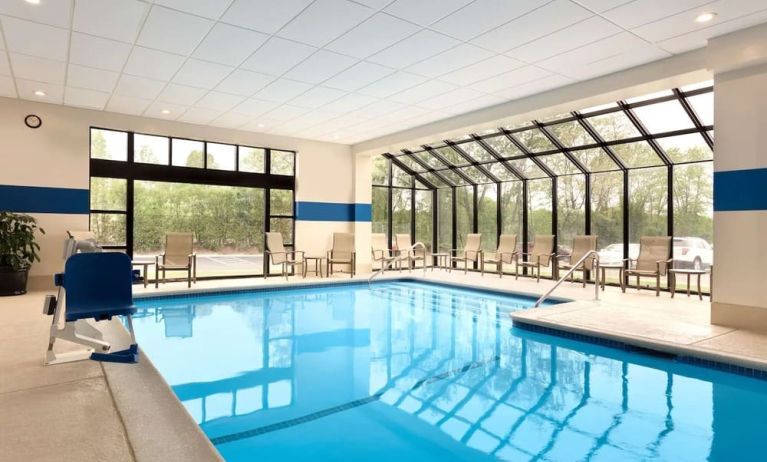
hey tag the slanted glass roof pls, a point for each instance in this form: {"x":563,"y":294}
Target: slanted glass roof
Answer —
{"x":659,"y":129}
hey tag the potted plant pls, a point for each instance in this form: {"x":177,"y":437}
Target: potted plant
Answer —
{"x":18,"y":250}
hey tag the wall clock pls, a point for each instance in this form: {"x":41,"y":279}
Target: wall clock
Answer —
{"x":33,"y":121}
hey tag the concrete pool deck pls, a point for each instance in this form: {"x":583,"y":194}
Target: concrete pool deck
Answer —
{"x":93,"y":411}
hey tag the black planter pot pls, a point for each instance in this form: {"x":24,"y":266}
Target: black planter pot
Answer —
{"x":13,"y":282}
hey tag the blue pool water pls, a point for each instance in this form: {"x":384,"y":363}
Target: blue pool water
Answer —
{"x":417,"y":372}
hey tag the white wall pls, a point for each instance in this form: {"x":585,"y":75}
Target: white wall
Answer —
{"x":57,"y":155}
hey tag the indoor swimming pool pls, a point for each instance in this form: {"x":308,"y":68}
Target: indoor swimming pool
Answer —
{"x":410,"y":371}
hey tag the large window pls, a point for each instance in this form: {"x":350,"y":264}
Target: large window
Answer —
{"x":620,"y":171}
{"x":220,"y":192}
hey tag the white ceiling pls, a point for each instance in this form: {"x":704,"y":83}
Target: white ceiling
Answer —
{"x":334,"y":70}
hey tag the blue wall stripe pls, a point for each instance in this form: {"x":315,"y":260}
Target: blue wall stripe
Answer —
{"x":740,"y":190}
{"x":34,"y":199}
{"x":331,"y":211}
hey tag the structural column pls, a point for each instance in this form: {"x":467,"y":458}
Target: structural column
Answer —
{"x":363,"y":195}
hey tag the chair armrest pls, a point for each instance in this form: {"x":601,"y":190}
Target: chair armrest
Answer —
{"x":295,"y":252}
{"x":378,"y":251}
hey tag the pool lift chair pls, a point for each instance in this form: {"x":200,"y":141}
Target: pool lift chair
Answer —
{"x":94,"y":286}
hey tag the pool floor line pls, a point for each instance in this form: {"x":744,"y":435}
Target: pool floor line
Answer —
{"x":232,"y":437}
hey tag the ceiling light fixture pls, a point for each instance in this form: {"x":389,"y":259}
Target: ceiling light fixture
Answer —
{"x":33,"y":2}
{"x":261,"y":125}
{"x":705,"y":17}
{"x":165,"y":111}
{"x":39,"y":93}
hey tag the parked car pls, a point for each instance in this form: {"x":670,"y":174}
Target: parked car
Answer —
{"x":613,"y":254}
{"x":692,"y":253}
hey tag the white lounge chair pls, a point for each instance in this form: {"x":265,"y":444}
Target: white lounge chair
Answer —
{"x":407,"y":252}
{"x":276,"y":254}
{"x":342,"y":253}
{"x":654,"y":260}
{"x":542,"y":255}
{"x":471,"y":252}
{"x":506,"y":253}
{"x":178,"y":256}
{"x":581,"y":246}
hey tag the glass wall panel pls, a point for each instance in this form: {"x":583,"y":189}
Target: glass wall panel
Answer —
{"x":423,"y":219}
{"x":476,"y":151}
{"x":534,"y":140}
{"x":282,"y":162}
{"x":252,"y":160}
{"x":222,"y":156}
{"x":595,"y":160}
{"x":109,"y":144}
{"x":430,"y":160}
{"x":607,"y":217}
{"x":512,"y":209}
{"x":503,"y":146}
{"x":693,"y":217}
{"x":539,"y":212}
{"x":686,"y":148}
{"x":635,"y":155}
{"x":109,"y":228}
{"x":487,"y":211}
{"x":108,"y":194}
{"x":380,"y":205}
{"x":227,"y":222}
{"x":558,"y":163}
{"x":452,"y":156}
{"x":149,"y":149}
{"x":464,"y":197}
{"x":188,"y":153}
{"x":614,"y":126}
{"x":283,"y":226}
{"x":401,"y":207}
{"x":400,"y":178}
{"x":444,"y":219}
{"x":571,"y":134}
{"x":703,"y":105}
{"x":527,"y":168}
{"x":500,"y":171}
{"x":475,"y":175}
{"x":663,"y":117}
{"x":380,"y":170}
{"x":571,"y":210}
{"x":648,"y":203}
{"x":281,"y":202}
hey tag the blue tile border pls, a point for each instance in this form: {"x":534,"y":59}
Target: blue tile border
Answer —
{"x":740,"y":190}
{"x":685,"y":359}
{"x":333,"y":211}
{"x":35,"y":199}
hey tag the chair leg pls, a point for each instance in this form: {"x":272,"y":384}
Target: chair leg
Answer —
{"x":189,"y":278}
{"x":639,"y":286}
{"x":657,"y":284}
{"x":156,"y":277}
{"x":538,"y":276}
{"x":482,"y":268}
{"x":466,"y":266}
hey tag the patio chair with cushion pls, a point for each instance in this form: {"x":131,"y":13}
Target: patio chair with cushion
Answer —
{"x":506,"y":253}
{"x":276,"y":254}
{"x":407,"y":253}
{"x":654,"y":260}
{"x":542,"y":255}
{"x":471,"y":252}
{"x":381,"y":251}
{"x":178,"y":256}
{"x":581,"y":246}
{"x":342,"y":253}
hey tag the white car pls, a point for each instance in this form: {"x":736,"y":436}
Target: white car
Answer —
{"x":613,"y":254}
{"x":692,"y":253}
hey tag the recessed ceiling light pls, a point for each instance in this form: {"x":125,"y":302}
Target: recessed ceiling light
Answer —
{"x":34,"y":2}
{"x":39,"y":93}
{"x":165,"y":111}
{"x":705,"y":17}
{"x":261,"y":125}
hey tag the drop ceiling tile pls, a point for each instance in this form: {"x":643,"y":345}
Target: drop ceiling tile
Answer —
{"x":423,"y":92}
{"x":181,"y":94}
{"x":509,"y":79}
{"x":277,"y":56}
{"x":699,"y":38}
{"x":482,"y":16}
{"x":423,"y":11}
{"x":38,"y":69}
{"x":413,"y":49}
{"x":457,"y":96}
{"x":599,"y":6}
{"x":173,"y":31}
{"x":639,"y":12}
{"x":154,"y":64}
{"x":91,"y":79}
{"x":219,"y":101}
{"x":212,"y":9}
{"x":282,"y":90}
{"x":113,"y":19}
{"x":450,"y":60}
{"x":480,"y":102}
{"x":285,"y":112}
{"x":156,"y":110}
{"x":263,"y":15}
{"x":56,"y":13}
{"x":98,"y":52}
{"x":358,"y":76}
{"x":202,"y":74}
{"x":244,"y":83}
{"x":394,"y":83}
{"x":5,"y":67}
{"x":53,"y":93}
{"x":7,"y":87}
{"x":230,"y":120}
{"x":255,"y":107}
{"x":324,"y":21}
{"x":577,"y":35}
{"x":35,"y":39}
{"x":496,"y":65}
{"x":372,"y":36}
{"x":138,"y":87}
{"x":536,"y":24}
{"x":127,"y":104}
{"x":320,"y":66}
{"x":683,"y":23}
{"x":231,"y":45}
{"x":348,"y":103}
{"x":199,"y":116}
{"x":89,"y":99}
{"x":317,"y":97}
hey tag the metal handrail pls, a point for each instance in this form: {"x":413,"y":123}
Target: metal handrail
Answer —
{"x":383,"y":268}
{"x":572,"y":269}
